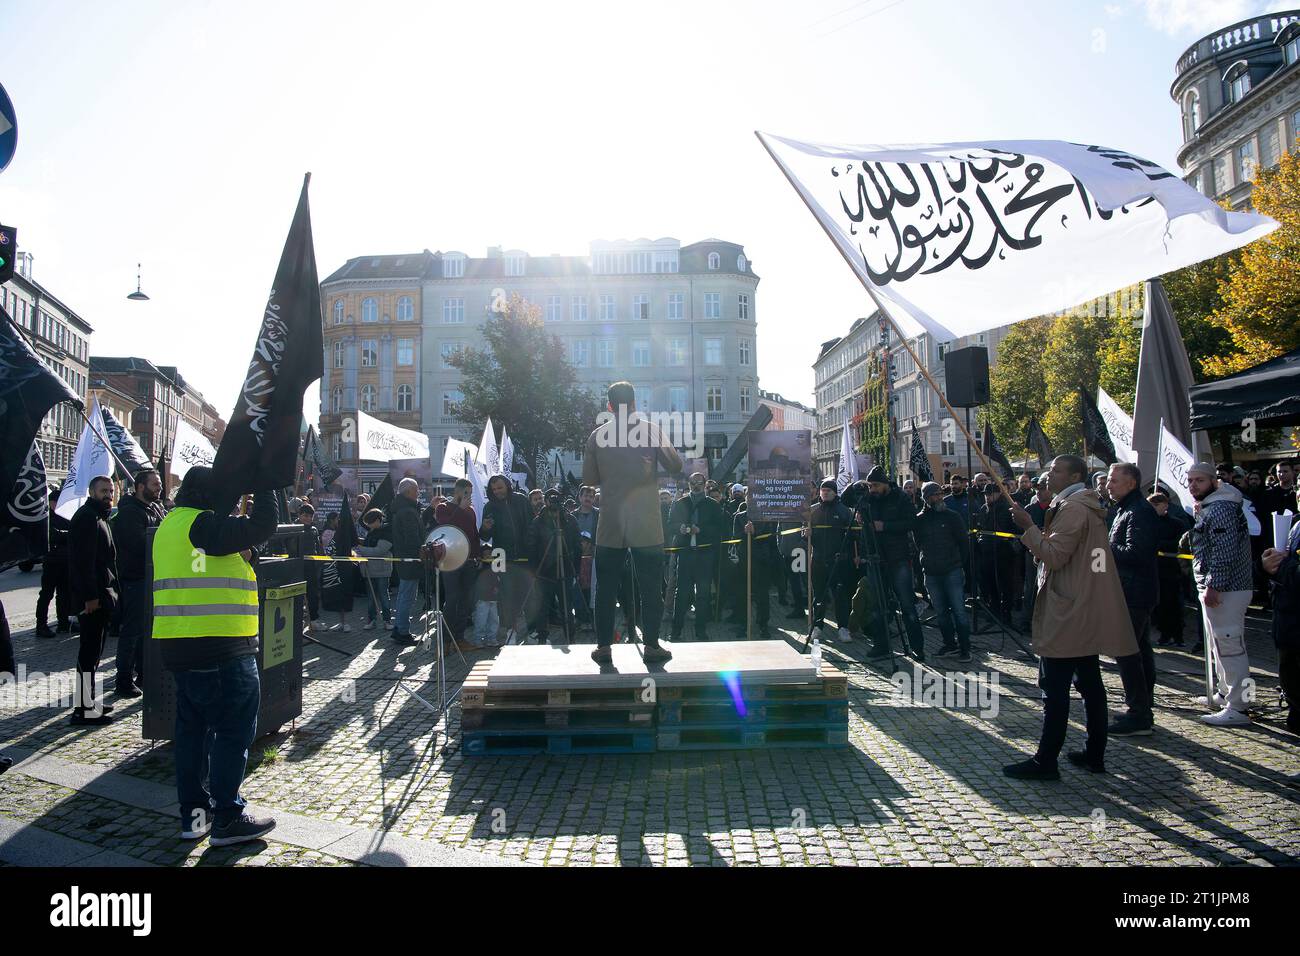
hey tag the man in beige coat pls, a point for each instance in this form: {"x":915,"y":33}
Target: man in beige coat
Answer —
{"x":1079,"y":614}
{"x":624,"y":457}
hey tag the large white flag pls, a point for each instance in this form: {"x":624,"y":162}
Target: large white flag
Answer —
{"x":489,"y":456}
{"x":90,"y":461}
{"x":453,"y":459}
{"x":507,"y":453}
{"x":848,"y":472}
{"x":1174,"y":461}
{"x":479,"y":495}
{"x":380,"y":441}
{"x":1118,"y":425}
{"x":959,"y":238}
{"x":190,"y":449}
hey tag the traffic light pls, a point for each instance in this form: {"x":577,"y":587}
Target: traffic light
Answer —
{"x":8,"y":252}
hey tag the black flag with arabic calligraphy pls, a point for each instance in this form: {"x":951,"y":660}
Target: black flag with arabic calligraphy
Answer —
{"x":994,"y":451}
{"x":125,"y":447}
{"x":259,"y":450}
{"x":918,"y":460}
{"x":25,"y":521}
{"x":318,"y":462}
{"x":1095,"y":434}
{"x":1037,"y":442}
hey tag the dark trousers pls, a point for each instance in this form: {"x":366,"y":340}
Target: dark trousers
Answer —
{"x":648,"y":564}
{"x":831,"y":584}
{"x":548,"y":594}
{"x":998,"y":579}
{"x":94,"y":629}
{"x":216,"y":721}
{"x":694,"y":586}
{"x":798,"y":583}
{"x":1054,"y":677}
{"x":7,"y":665}
{"x":1288,"y":672}
{"x":1168,"y":613}
{"x":760,"y":582}
{"x":1138,"y":671}
{"x":458,"y":598}
{"x":54,"y":584}
{"x":312,"y":575}
{"x":896,"y":579}
{"x":134,"y":629}
{"x":512,"y":589}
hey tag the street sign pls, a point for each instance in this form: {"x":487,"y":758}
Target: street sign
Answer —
{"x":8,"y":129}
{"x":8,"y":252}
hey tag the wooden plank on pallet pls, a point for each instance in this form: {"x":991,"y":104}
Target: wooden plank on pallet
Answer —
{"x":752,"y":737}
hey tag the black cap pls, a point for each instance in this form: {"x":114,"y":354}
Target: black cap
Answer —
{"x":831,"y":484}
{"x":878,"y":474}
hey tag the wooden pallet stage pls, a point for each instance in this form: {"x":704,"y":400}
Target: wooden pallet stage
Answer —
{"x":716,"y":695}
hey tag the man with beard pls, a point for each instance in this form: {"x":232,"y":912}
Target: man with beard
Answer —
{"x":553,"y":544}
{"x":458,"y":585}
{"x":832,"y":562}
{"x":697,"y":524}
{"x":92,"y":567}
{"x":959,"y":500}
{"x":1220,"y":543}
{"x":136,"y":514}
{"x":888,"y":539}
{"x":507,"y":516}
{"x":941,"y":538}
{"x":1133,"y":533}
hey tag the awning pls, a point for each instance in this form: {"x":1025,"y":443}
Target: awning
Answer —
{"x":1268,"y":394}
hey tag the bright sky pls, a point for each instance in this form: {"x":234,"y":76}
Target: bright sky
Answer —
{"x":177,"y":133}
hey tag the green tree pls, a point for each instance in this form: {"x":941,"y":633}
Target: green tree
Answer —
{"x":522,"y":380}
{"x":1017,"y":389}
{"x":1194,"y":297}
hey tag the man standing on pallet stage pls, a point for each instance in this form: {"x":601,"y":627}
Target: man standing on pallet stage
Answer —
{"x":623,"y":458}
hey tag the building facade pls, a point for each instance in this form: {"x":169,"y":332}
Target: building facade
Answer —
{"x":159,"y":400}
{"x":62,"y":340}
{"x":839,"y":374}
{"x":787,"y":414}
{"x":678,"y":322}
{"x":1238,"y":92}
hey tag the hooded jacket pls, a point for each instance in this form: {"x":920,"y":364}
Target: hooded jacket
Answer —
{"x":130,"y":526}
{"x":1221,"y":542}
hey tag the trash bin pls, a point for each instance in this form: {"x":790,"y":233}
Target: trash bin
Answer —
{"x":281,"y":598}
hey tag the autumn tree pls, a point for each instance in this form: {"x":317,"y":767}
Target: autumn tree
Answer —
{"x":521,"y":379}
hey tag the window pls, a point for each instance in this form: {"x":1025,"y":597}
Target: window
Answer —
{"x":450,"y":399}
{"x":744,"y":351}
{"x":642,"y":398}
{"x":369,"y":353}
{"x":641,"y":353}
{"x":581,"y":353}
{"x":605,"y":353}
{"x":1191,"y":114}
{"x":675,"y":301}
{"x":338,"y":311}
{"x":515,"y":265}
{"x":641,"y":306}
{"x":578,"y":308}
{"x":453,"y":266}
{"x":608,"y":312}
{"x":676,"y":352}
{"x":369,"y":310}
{"x":453,"y":311}
{"x":406,"y":351}
{"x":742,"y":308}
{"x":1246,"y":160}
{"x":713,"y":398}
{"x":677,"y":398}
{"x":338,"y":354}
{"x":713,"y":351}
{"x":1291,"y":49}
{"x":741,"y":264}
{"x":336,"y":401}
{"x":715,"y":260}
{"x":1238,"y":80}
{"x":405,"y":309}
{"x":746,"y":399}
{"x":713,"y":305}
{"x":405,"y":398}
{"x":1270,"y":145}
{"x":367,"y":398}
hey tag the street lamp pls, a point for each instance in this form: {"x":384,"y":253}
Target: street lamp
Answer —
{"x":137,"y":295}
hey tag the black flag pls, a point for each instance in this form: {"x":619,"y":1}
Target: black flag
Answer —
{"x":920,"y":464}
{"x":319,"y":463}
{"x":1095,"y":435}
{"x":125,"y":447}
{"x":383,"y":496}
{"x":25,"y":520}
{"x":28,"y":390}
{"x":259,"y":449}
{"x":1036,"y":441}
{"x":994,"y":451}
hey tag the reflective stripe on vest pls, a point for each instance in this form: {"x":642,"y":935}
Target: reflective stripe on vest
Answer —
{"x":197,"y":594}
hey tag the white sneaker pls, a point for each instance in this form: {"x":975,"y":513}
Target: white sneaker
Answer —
{"x":319,"y":625}
{"x":368,"y":626}
{"x":845,"y":636}
{"x":1218,"y":701}
{"x":1226,"y":718}
{"x":1293,"y":780}
{"x":817,"y":635}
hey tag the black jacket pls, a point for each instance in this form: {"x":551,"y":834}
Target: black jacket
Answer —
{"x":58,"y":533}
{"x":1169,"y":530}
{"x":130,"y":526}
{"x":1286,"y":596}
{"x":544,"y":544}
{"x":92,"y":557}
{"x":831,"y":541}
{"x":1134,"y":530}
{"x":511,"y":521}
{"x":706,"y":514}
{"x":997,"y":518}
{"x":408,"y":535}
{"x":941,"y":538}
{"x":765,"y":538}
{"x":894,"y":510}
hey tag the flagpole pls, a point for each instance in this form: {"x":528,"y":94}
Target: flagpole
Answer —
{"x":104,"y":439}
{"x":885,"y":313}
{"x":1160,"y":444}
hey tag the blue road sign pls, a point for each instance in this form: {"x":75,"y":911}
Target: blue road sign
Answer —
{"x":8,"y":129}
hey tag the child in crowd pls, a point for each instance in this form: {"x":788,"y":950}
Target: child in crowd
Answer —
{"x":378,"y":545}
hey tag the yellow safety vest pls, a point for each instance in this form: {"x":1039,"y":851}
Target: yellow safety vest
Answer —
{"x":218,"y":601}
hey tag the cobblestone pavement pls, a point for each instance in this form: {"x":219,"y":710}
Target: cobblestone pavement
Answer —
{"x":919,"y":784}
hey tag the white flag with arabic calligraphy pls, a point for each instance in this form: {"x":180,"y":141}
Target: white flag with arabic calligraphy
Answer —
{"x":960,"y":238}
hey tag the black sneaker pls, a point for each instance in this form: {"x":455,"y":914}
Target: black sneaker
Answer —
{"x":403,"y":640}
{"x":243,"y":829}
{"x":655,"y":654}
{"x":1127,"y":726}
{"x":81,"y":719}
{"x":127,"y":689}
{"x":1031,"y":769}
{"x":603,"y":655}
{"x":64,"y":627}
{"x":43,"y":630}
{"x":880,"y":653}
{"x":964,"y":657}
{"x":946,"y":649}
{"x":1080,"y":759}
